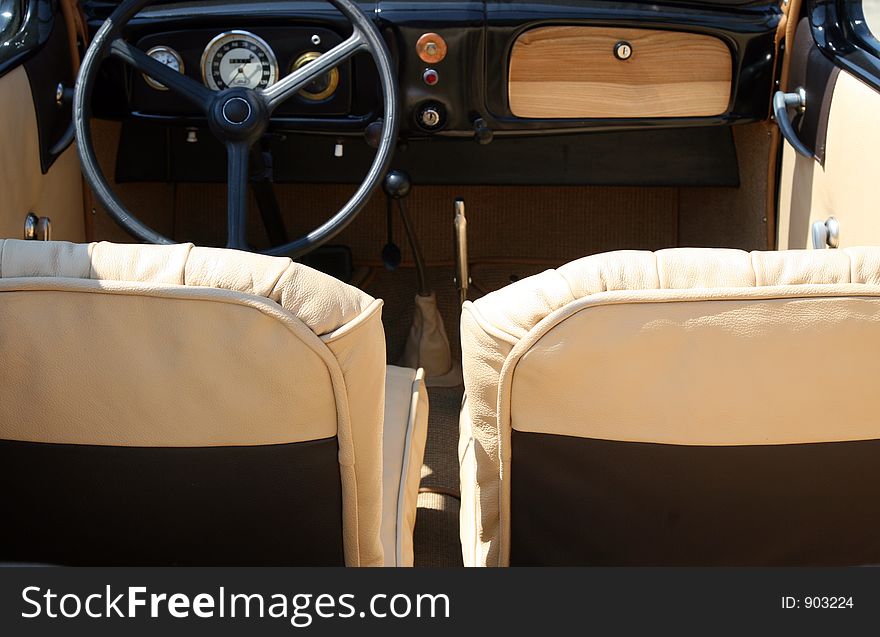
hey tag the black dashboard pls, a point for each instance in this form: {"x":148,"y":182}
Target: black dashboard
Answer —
{"x":463,"y":97}
{"x":288,"y":46}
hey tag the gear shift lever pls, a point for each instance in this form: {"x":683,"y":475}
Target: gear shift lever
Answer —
{"x":427,"y":345}
{"x":391,"y":252}
{"x":397,"y":186}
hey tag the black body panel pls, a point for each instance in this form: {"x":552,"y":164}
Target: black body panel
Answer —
{"x":577,"y":501}
{"x":817,"y":74}
{"x":842,"y":34}
{"x":33,"y":32}
{"x":91,"y":505}
{"x":45,"y":72}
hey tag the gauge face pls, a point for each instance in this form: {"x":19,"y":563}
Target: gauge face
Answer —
{"x":321,"y":87}
{"x":167,"y":56}
{"x":238,"y":59}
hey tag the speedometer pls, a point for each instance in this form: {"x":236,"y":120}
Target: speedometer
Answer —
{"x":238,"y":59}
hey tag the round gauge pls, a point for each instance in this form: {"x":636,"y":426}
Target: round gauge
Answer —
{"x":167,"y":56}
{"x":321,"y":87}
{"x":238,"y":59}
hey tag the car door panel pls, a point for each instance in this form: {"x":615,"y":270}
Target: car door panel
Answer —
{"x":31,"y":178}
{"x":839,"y":125}
{"x":56,"y":193}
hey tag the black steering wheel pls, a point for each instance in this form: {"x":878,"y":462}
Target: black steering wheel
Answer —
{"x":238,"y":117}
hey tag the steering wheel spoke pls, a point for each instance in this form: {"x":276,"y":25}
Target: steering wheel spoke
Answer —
{"x":238,"y":178}
{"x":291,"y":85}
{"x":194,"y":92}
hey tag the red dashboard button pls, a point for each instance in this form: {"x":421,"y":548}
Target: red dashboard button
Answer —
{"x":431,"y":77}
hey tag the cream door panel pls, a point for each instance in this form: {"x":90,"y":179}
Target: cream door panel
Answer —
{"x":24,"y":188}
{"x":847,"y":187}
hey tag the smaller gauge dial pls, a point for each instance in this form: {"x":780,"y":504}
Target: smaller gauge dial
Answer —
{"x":238,"y":59}
{"x":321,"y":87}
{"x":167,"y":56}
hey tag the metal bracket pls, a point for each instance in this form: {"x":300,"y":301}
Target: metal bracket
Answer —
{"x":37,"y":228}
{"x":826,"y":234}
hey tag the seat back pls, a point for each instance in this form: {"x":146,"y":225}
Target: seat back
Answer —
{"x":682,"y":407}
{"x":173,"y":404}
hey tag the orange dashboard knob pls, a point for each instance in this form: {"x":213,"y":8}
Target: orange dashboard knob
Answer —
{"x":431,"y":48}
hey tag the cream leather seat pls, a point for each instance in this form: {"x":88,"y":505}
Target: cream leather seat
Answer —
{"x":174,"y":404}
{"x":689,"y":406}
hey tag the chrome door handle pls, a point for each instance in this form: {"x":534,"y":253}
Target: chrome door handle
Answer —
{"x":781,"y":103}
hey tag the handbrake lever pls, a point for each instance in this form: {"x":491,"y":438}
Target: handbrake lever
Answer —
{"x":462,"y":275}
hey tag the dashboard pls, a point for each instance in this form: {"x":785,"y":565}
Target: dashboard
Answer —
{"x":244,"y":58}
{"x":651,"y":77}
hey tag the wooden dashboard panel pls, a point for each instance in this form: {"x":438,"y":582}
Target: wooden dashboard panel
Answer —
{"x":572,"y":72}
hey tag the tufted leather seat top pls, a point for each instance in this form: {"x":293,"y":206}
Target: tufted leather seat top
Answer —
{"x":518,"y":307}
{"x":320,"y":301}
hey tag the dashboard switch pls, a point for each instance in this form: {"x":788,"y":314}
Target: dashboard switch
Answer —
{"x":373,"y":133}
{"x":431,"y":77}
{"x":482,"y":133}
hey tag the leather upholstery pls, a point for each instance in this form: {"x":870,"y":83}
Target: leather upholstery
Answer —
{"x":406,"y":431}
{"x":427,"y":345}
{"x":178,"y":346}
{"x":681,"y":346}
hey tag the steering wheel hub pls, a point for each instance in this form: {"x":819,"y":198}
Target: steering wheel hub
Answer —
{"x":236,"y":110}
{"x":238,"y":115}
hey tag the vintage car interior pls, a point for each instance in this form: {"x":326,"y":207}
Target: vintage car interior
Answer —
{"x":459,"y":282}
